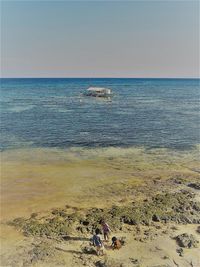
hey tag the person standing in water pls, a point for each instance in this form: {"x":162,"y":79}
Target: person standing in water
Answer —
{"x":106,"y":230}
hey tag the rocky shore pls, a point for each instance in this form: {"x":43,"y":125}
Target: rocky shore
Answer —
{"x":158,"y":230}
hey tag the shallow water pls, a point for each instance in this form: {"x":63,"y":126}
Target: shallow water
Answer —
{"x":38,"y":179}
{"x":161,"y":113}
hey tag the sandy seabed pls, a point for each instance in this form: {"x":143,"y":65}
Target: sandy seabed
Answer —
{"x":38,"y":180}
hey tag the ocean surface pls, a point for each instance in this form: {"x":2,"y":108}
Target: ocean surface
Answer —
{"x":53,"y":113}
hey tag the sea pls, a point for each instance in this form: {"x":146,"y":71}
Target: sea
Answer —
{"x":54,"y":113}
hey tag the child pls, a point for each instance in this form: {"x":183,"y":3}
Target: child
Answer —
{"x":106,"y":230}
{"x":97,"y":242}
{"x":116,"y":244}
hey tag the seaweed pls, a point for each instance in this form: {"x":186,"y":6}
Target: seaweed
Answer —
{"x":177,"y":207}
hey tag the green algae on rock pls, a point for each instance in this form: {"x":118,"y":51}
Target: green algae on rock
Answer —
{"x":178,"y":207}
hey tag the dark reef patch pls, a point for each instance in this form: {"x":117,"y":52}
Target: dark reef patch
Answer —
{"x":178,"y":207}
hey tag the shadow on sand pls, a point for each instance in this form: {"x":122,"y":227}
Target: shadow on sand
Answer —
{"x":75,"y":238}
{"x":69,"y":250}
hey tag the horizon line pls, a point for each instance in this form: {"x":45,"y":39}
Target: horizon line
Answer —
{"x":99,"y":77}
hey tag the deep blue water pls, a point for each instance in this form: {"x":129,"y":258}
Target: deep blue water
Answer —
{"x":143,"y":112}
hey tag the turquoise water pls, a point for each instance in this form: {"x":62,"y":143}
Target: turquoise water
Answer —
{"x":154,"y":113}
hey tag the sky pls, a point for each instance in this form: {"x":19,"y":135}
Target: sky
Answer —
{"x":99,"y":38}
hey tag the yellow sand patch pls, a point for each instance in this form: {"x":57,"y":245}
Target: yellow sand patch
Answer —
{"x":39,"y":179}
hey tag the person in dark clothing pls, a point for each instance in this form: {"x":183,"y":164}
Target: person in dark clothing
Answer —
{"x":97,"y":242}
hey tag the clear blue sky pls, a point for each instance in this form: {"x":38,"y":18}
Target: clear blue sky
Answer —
{"x":99,"y":39}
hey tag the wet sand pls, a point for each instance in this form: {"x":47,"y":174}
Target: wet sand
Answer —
{"x":38,"y":179}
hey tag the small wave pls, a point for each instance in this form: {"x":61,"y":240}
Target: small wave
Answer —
{"x":18,"y":109}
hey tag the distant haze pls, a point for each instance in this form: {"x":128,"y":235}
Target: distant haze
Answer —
{"x":100,"y":39}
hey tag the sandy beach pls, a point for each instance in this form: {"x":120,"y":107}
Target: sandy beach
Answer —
{"x":149,"y":198}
